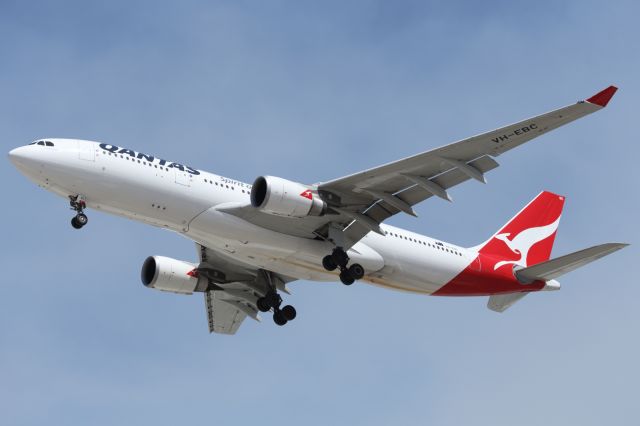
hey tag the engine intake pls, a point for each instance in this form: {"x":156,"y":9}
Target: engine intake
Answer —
{"x":283,"y":197}
{"x":166,"y":274}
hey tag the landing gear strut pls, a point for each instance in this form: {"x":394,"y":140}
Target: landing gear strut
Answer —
{"x":339,"y":259}
{"x":78,"y":204}
{"x":273,"y":300}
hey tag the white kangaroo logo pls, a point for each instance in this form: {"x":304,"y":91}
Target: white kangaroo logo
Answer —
{"x":522,"y":243}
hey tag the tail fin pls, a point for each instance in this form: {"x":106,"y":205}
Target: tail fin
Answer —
{"x":528,"y":237}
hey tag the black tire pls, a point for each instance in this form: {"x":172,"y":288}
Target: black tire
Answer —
{"x":356,"y":270}
{"x":340,"y":257}
{"x":272,"y":299}
{"x":328,"y":263}
{"x":82,"y":219}
{"x":346,"y":277}
{"x":279,"y":319}
{"x":75,"y":224}
{"x":263,"y":305}
{"x":288,"y":312}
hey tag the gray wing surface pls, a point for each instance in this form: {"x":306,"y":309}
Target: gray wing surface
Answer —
{"x":361,"y":201}
{"x":233,"y":289}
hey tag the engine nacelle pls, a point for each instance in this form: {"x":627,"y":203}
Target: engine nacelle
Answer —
{"x":166,"y":274}
{"x":283,"y":197}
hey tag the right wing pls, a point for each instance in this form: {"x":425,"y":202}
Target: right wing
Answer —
{"x":233,"y":289}
{"x":358,"y":203}
{"x":371,"y":196}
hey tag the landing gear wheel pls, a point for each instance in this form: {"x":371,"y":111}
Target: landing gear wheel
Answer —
{"x":288,"y":312}
{"x":340,"y":257}
{"x":346,"y":277}
{"x":329,"y":263}
{"x":77,"y":203}
{"x":81,"y":219}
{"x":263,"y":305}
{"x":279,"y":318}
{"x":356,"y":270}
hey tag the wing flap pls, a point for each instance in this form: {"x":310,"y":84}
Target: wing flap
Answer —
{"x":381,"y":211}
{"x":224,"y":318}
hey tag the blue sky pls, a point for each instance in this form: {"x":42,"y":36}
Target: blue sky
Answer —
{"x":311,"y":91}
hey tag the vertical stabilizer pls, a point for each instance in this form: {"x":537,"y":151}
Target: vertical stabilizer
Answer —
{"x":528,"y":237}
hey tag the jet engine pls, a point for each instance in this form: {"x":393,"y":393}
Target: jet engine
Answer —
{"x":166,"y":274}
{"x":283,"y":197}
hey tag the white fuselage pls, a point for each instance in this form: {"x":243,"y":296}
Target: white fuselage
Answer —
{"x":167,"y":195}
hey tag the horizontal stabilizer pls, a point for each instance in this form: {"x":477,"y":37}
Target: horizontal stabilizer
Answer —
{"x":559,"y":266}
{"x":501,"y":302}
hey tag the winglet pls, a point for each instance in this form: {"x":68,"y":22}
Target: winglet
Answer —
{"x":602,"y":98}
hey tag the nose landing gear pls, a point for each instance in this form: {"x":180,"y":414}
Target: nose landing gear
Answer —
{"x":78,"y":204}
{"x":339,"y":259}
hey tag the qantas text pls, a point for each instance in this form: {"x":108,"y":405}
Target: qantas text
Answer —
{"x":150,"y":158}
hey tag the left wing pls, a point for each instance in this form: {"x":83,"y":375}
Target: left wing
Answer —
{"x":225,"y":314}
{"x":233,"y":290}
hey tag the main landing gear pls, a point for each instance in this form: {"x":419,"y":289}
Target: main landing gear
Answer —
{"x":272,"y":300}
{"x":78,"y":204}
{"x":339,"y":259}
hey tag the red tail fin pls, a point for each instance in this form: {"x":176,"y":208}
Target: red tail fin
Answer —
{"x":527,"y":239}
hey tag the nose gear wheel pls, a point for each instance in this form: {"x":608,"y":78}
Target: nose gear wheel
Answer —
{"x":78,"y":204}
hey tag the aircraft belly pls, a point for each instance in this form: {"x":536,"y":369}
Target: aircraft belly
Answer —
{"x":289,"y":255}
{"x":414,"y":268}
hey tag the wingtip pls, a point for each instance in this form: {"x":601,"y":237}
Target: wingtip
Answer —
{"x":621,"y":245}
{"x":603,"y":97}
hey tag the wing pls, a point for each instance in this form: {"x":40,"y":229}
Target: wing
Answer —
{"x":371,"y":196}
{"x":233,"y":289}
{"x":361,"y":201}
{"x":224,"y":318}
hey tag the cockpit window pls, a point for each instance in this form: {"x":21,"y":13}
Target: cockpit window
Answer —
{"x":43,"y":143}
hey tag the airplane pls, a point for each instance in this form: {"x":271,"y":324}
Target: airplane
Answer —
{"x":253,"y":240}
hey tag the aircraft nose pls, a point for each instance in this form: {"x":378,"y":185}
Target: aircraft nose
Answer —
{"x":17,"y":155}
{"x":24,"y":159}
